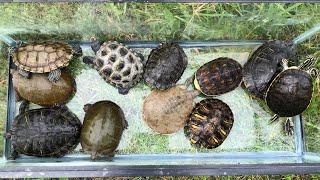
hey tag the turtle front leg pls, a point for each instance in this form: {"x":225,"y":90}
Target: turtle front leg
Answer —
{"x":24,"y":73}
{"x":289,"y":127}
{"x":54,"y":75}
{"x":24,"y":106}
{"x":14,"y":155}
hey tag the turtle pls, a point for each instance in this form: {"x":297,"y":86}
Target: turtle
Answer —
{"x":116,"y":64}
{"x":44,"y":57}
{"x":218,"y":76}
{"x":166,"y":111}
{"x":290,"y":93}
{"x":165,"y":66}
{"x":103,"y":125}
{"x":209,"y":124}
{"x":39,"y":90}
{"x":44,"y":132}
{"x":265,"y":63}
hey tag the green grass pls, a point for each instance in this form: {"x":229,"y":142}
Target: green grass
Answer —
{"x":73,"y":21}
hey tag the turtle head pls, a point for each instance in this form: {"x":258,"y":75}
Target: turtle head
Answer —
{"x":77,"y":50}
{"x":95,"y":45}
{"x":88,"y":60}
{"x":86,"y":107}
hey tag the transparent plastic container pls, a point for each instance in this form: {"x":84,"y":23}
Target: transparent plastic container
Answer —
{"x":253,"y":146}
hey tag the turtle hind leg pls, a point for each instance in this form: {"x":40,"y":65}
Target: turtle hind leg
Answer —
{"x":95,"y":45}
{"x":54,"y":75}
{"x":14,"y":155}
{"x":288,"y":127}
{"x":123,"y":91}
{"x":24,"y":106}
{"x":24,"y":73}
{"x":77,"y":50}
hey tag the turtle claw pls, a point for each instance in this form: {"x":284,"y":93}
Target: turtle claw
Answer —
{"x":289,"y":127}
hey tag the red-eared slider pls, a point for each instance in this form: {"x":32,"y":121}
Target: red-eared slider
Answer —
{"x":103,"y":125}
{"x":218,"y":76}
{"x":46,"y":57}
{"x":264,"y":64}
{"x":165,"y":66}
{"x":290,"y":92}
{"x":39,"y":90}
{"x":209,"y":124}
{"x":116,"y":64}
{"x":166,"y":111}
{"x":45,"y":132}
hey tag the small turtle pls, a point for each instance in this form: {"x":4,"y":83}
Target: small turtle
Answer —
{"x":39,"y":90}
{"x":218,"y":76}
{"x":102,"y":129}
{"x":264,"y":64}
{"x":46,"y":57}
{"x":166,"y":111}
{"x":209,"y":124}
{"x":116,"y":64}
{"x":45,"y":132}
{"x":165,"y":66}
{"x":291,"y":91}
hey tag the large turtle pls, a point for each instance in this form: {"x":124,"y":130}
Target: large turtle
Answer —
{"x":44,"y":57}
{"x":165,"y":66}
{"x":218,"y":76}
{"x":209,"y":124}
{"x":103,"y":125}
{"x":45,"y":132}
{"x":291,"y":91}
{"x":39,"y":90}
{"x":264,"y":64}
{"x":166,"y":111}
{"x":116,"y":64}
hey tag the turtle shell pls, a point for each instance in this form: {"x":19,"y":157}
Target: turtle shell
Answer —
{"x":45,"y":132}
{"x":42,"y":57}
{"x":165,"y":66}
{"x":118,"y":65}
{"x":218,"y":76}
{"x":290,"y":92}
{"x":103,"y":125}
{"x":166,"y":111}
{"x":264,"y":64}
{"x":209,"y":124}
{"x":39,"y":90}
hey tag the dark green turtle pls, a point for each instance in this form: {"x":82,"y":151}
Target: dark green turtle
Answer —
{"x":102,"y":129}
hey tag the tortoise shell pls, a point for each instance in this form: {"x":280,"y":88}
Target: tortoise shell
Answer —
{"x":290,"y":92}
{"x":264,"y":64}
{"x":103,"y":125}
{"x":45,"y":132}
{"x":43,"y":57}
{"x":165,"y":66}
{"x":39,"y":90}
{"x":118,"y":65}
{"x":166,"y":111}
{"x":218,"y":76}
{"x":209,"y":124}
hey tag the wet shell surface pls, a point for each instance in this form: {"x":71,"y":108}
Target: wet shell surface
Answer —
{"x":290,"y":92}
{"x":118,"y":65}
{"x":209,"y":124}
{"x":264,"y":64}
{"x":218,"y":76}
{"x":43,"y":57}
{"x":39,"y":90}
{"x":166,"y":111}
{"x":165,"y":66}
{"x":45,"y":132}
{"x":103,"y":125}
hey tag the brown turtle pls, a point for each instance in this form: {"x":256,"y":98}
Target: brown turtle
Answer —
{"x":44,"y":132}
{"x":166,"y":111}
{"x":39,"y":90}
{"x":116,"y":64}
{"x":218,"y":76}
{"x":46,"y":57}
{"x":264,"y":64}
{"x":290,"y":92}
{"x":165,"y":66}
{"x":209,"y":124}
{"x":103,"y":125}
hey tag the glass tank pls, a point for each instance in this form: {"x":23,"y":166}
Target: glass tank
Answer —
{"x":205,"y":31}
